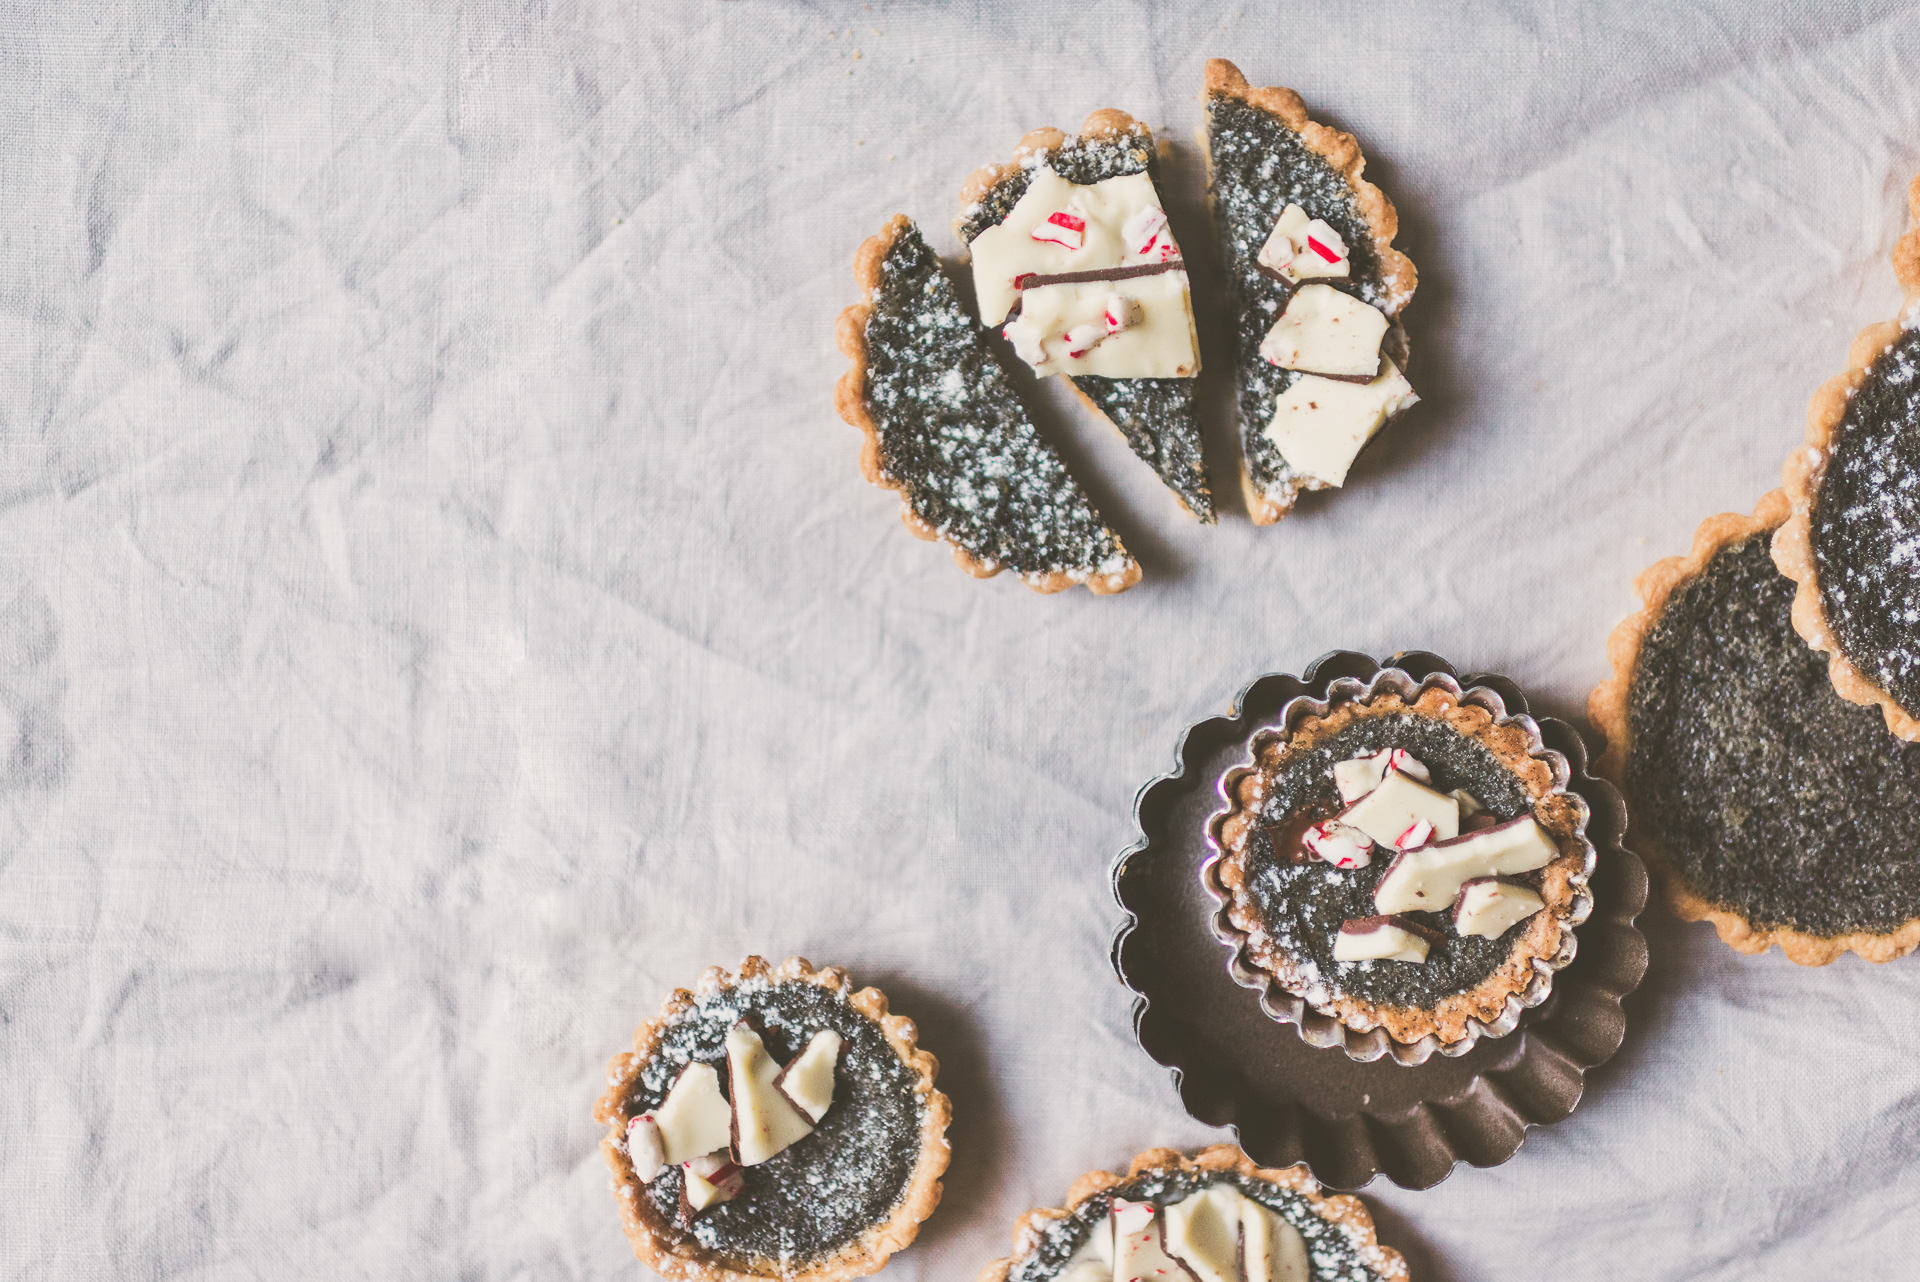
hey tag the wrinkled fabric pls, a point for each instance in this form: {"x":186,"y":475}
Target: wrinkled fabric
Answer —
{"x":440,"y":611}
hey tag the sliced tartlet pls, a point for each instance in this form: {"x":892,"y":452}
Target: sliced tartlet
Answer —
{"x":1765,"y":803}
{"x":1073,"y":256}
{"x":945,"y":427}
{"x":1315,"y":290}
{"x":1402,"y":856}
{"x":774,"y":1123}
{"x":1215,"y":1217}
{"x":1852,"y":537}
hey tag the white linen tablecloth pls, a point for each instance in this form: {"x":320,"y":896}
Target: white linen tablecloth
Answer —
{"x":440,"y":610}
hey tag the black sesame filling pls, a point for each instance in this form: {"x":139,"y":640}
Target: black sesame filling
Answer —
{"x":1866,"y":526}
{"x":1330,"y":1248}
{"x":847,"y":1176}
{"x":1259,"y":167}
{"x":1769,"y":794}
{"x":1158,"y":416}
{"x":952,"y":431}
{"x":1303,"y":904}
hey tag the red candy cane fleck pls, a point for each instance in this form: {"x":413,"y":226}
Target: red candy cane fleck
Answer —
{"x":1322,"y":250}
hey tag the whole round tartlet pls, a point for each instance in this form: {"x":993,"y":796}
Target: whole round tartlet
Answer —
{"x":774,"y":1123}
{"x":1851,"y":539}
{"x":1215,"y":1217}
{"x":1766,"y":803}
{"x":1402,"y":857}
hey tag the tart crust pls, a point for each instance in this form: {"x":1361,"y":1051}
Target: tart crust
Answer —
{"x":675,"y":1255}
{"x":850,"y":399}
{"x":1344,"y":1209}
{"x":1607,"y":709}
{"x":1558,"y":813}
{"x":1341,"y":151}
{"x":1804,"y":470}
{"x":1106,"y":123}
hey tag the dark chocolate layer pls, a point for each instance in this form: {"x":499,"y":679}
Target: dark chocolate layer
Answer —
{"x":1866,"y":526}
{"x":825,"y":1191}
{"x":1768,"y":794}
{"x":1259,"y":167}
{"x":1330,"y":1248}
{"x":1303,"y":904}
{"x":953,"y":432}
{"x":1158,"y":416}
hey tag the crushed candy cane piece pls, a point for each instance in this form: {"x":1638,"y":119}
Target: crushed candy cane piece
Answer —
{"x":1339,"y":845}
{"x":1121,"y":312}
{"x":1418,"y":833}
{"x":1068,"y":230}
{"x":1146,"y":234}
{"x":1082,"y":339}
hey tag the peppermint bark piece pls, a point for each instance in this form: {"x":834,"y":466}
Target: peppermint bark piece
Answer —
{"x":946,"y":429}
{"x":1073,"y":253}
{"x":1291,"y":207}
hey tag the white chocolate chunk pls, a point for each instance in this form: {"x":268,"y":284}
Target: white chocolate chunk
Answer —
{"x":808,"y":1079}
{"x":1271,"y":1250}
{"x":1430,"y":878}
{"x":1202,"y":1230}
{"x":1488,"y":907}
{"x":1139,"y":1251}
{"x":1007,"y":251}
{"x":1158,"y":343}
{"x":1324,"y":331}
{"x":765,"y":1122}
{"x":646,"y":1150}
{"x":1298,"y":248}
{"x":692,"y":1121}
{"x":1093,"y":1261}
{"x":1469,"y":804}
{"x":710,"y":1181}
{"x":1320,"y":424}
{"x":1398,"y":804}
{"x":1378,"y":939}
{"x":1358,"y":776}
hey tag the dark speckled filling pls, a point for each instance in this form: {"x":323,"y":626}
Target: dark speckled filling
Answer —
{"x":1768,"y":794}
{"x":1158,"y":416}
{"x":1259,"y":167}
{"x":824,"y":1192}
{"x":952,"y":430}
{"x":1866,"y":526}
{"x":1330,"y":1248}
{"x":1305,"y":903}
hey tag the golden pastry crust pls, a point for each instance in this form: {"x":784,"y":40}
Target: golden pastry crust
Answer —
{"x":1108,"y":122}
{"x":1341,"y":151}
{"x":1607,"y":708}
{"x":1556,"y":811}
{"x":850,"y":400}
{"x":672,"y":1254}
{"x":1804,"y":470}
{"x":1345,"y":1210}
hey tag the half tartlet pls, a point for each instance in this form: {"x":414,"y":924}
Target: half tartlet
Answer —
{"x":1402,"y":859}
{"x":774,"y":1123}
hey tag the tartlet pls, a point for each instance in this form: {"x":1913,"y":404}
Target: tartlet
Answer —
{"x":1403,"y":855}
{"x":1214,"y":1217}
{"x":816,"y":1172}
{"x":1107,"y":174}
{"x":945,"y":428}
{"x":1765,"y":803}
{"x":1275,"y":175}
{"x":1851,"y":540}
